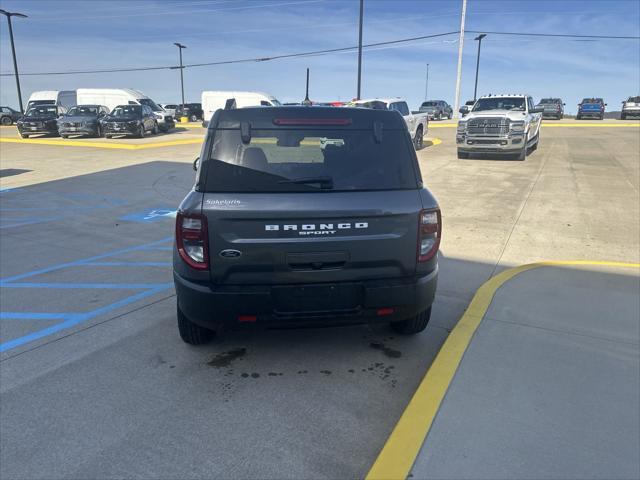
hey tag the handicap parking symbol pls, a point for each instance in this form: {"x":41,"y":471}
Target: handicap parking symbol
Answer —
{"x":150,"y":215}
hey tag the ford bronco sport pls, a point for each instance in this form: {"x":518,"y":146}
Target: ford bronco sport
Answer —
{"x":302,"y":216}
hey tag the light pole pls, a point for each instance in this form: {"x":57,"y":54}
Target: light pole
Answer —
{"x":13,"y":51}
{"x":479,"y":39}
{"x":360,"y":49}
{"x":426,"y":88}
{"x":180,"y":47}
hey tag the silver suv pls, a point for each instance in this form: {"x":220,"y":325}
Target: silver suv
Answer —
{"x":306,"y":215}
{"x":630,"y":108}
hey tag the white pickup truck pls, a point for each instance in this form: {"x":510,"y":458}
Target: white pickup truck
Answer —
{"x":504,"y":124}
{"x":417,"y":123}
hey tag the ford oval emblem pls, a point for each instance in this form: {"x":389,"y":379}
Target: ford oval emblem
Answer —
{"x":229,"y":253}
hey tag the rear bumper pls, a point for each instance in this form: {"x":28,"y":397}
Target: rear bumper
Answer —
{"x":631,"y":111}
{"x":591,"y":113}
{"x":215,"y":306}
{"x":551,"y":114}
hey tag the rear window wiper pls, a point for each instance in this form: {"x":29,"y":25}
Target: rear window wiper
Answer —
{"x":324,"y":182}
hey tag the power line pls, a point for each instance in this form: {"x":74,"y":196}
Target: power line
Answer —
{"x":242,"y":60}
{"x":559,"y":35}
{"x":322,"y":52}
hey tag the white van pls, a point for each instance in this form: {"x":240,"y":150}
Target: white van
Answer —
{"x":64,"y":98}
{"x":215,"y":100}
{"x":112,"y":97}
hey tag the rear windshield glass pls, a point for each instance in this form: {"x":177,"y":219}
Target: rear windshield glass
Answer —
{"x":297,"y":160}
{"x":634,"y":100}
{"x":430,"y":104}
{"x":550,"y":100}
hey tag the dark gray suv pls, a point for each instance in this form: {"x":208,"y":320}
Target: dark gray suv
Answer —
{"x":302,"y":216}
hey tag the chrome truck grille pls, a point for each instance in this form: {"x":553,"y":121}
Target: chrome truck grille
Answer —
{"x":488,"y":126}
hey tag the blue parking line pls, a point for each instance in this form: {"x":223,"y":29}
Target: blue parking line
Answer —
{"x":107,"y":286}
{"x":75,"y":319}
{"x":127,"y":264}
{"x":84,"y":260}
{"x":33,"y":316}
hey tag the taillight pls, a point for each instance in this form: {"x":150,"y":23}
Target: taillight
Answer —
{"x":429,"y":231}
{"x":191,"y":240}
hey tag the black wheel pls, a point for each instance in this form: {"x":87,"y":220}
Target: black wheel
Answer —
{"x":141,"y":132}
{"x":193,"y":118}
{"x":578,"y":117}
{"x":190,"y":332}
{"x":155,"y":129}
{"x":24,"y":135}
{"x":418,"y":140}
{"x":98,"y":132}
{"x":64,"y":136}
{"x":413,"y":325}
{"x":602,"y":117}
{"x":623,"y":116}
{"x":523,"y":152}
{"x":107,"y":136}
{"x":439,"y":116}
{"x":534,"y":147}
{"x":463,"y":155}
{"x":6,"y":121}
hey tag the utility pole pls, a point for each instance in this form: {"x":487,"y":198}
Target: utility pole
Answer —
{"x":306,"y":100}
{"x":13,"y":51}
{"x":426,"y":88}
{"x":479,"y":39}
{"x":460,"y":47}
{"x":360,"y":50}
{"x":180,"y":47}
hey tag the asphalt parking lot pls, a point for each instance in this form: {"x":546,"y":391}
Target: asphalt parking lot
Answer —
{"x":95,"y":382}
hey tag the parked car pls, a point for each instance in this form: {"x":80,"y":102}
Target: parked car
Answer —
{"x":437,"y":109}
{"x":214,"y":100}
{"x":65,"y":98}
{"x":170,"y":108}
{"x":41,"y":119}
{"x":591,"y":107}
{"x":503,"y":124}
{"x":417,"y":124}
{"x":193,"y":111}
{"x":134,"y":120}
{"x":82,"y":120}
{"x":113,"y":97}
{"x":630,"y":108}
{"x":551,"y":108}
{"x":284,"y":233}
{"x":9,"y":116}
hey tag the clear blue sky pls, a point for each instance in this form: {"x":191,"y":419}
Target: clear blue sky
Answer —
{"x":91,"y":34}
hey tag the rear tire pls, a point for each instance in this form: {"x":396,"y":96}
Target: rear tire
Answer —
{"x":463,"y":155}
{"x":64,"y":136}
{"x":107,"y":136}
{"x":155,"y":129}
{"x":141,"y":132}
{"x":623,"y":116}
{"x":578,"y":117}
{"x":6,"y":121}
{"x":418,"y":140}
{"x":24,"y":135}
{"x":413,"y":325}
{"x":194,"y":118}
{"x":190,"y":332}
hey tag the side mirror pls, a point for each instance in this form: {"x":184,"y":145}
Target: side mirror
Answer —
{"x":564,"y":104}
{"x":464,"y":109}
{"x":605,"y":104}
{"x":196,"y":163}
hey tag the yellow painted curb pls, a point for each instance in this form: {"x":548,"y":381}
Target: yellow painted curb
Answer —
{"x":433,"y":142}
{"x":191,"y":125}
{"x":403,"y":445}
{"x":121,"y":146}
